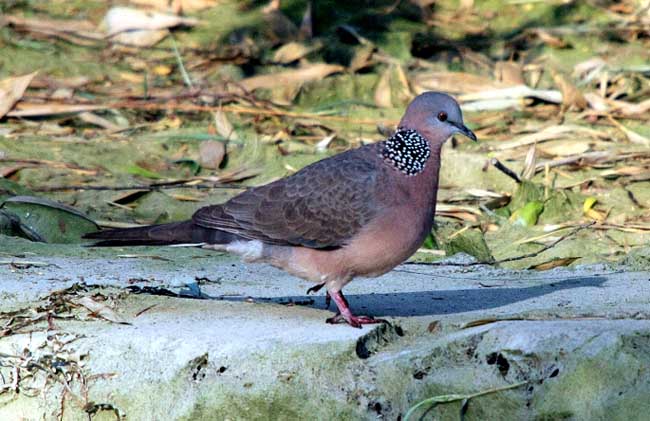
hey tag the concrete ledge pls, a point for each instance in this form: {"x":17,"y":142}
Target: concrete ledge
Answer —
{"x":256,"y":347}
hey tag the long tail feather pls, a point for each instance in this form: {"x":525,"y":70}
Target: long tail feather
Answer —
{"x":159,"y":235}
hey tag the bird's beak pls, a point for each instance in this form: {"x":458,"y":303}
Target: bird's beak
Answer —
{"x":464,"y":130}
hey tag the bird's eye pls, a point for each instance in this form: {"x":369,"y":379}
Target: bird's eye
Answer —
{"x":442,"y":116}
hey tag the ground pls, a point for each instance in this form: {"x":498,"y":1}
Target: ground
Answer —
{"x":212,"y":338}
{"x":529,"y":300}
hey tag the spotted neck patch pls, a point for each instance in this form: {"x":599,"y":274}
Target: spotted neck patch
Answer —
{"x":407,"y":151}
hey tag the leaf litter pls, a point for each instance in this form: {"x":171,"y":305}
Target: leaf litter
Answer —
{"x":241,"y":94}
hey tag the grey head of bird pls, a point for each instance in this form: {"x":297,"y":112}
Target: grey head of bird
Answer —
{"x":436,"y":116}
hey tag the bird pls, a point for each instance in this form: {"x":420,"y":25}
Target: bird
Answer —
{"x":359,"y":213}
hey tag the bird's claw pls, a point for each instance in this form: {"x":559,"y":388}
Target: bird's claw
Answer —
{"x":315,"y":288}
{"x":354,"y":321}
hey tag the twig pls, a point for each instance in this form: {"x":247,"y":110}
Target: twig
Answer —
{"x":507,"y":171}
{"x":154,"y":186}
{"x":547,"y":247}
{"x":141,"y":105}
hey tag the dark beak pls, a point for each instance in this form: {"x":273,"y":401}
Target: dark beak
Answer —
{"x":464,"y":130}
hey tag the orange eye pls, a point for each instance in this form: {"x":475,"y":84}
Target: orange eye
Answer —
{"x":442,"y":116}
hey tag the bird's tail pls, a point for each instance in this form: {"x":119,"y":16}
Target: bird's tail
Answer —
{"x":159,"y":235}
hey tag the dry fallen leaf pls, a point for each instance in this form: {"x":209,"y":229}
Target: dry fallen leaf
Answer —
{"x":76,"y":31}
{"x":101,"y":310}
{"x":631,"y":135}
{"x":211,"y":153}
{"x":564,"y":131}
{"x":564,"y":148}
{"x":304,"y":74}
{"x":509,"y":72}
{"x":404,"y":93}
{"x":454,"y":82}
{"x":48,"y":82}
{"x":529,"y":163}
{"x":140,"y":28}
{"x":382,"y":91}
{"x":550,"y":40}
{"x":291,"y":52}
{"x":363,"y":58}
{"x":23,"y":109}
{"x":325,"y":142}
{"x":223,"y":126}
{"x":162,"y":70}
{"x":11,"y":90}
{"x":572,"y":98}
{"x":177,"y":6}
{"x":91,"y":118}
{"x":554,"y":263}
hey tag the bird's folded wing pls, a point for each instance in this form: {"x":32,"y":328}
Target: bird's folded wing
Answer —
{"x":322,"y":206}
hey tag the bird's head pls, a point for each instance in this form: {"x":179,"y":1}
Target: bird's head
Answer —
{"x":436,"y":116}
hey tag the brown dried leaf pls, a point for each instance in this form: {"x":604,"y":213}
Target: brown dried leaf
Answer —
{"x":529,"y":164}
{"x":564,"y":148}
{"x":404,"y":93}
{"x":285,"y":95}
{"x":434,"y":326}
{"x":509,"y":72}
{"x":363,"y":58}
{"x":11,"y":90}
{"x":100,"y":310}
{"x":454,"y":82}
{"x":223,"y":126}
{"x":177,"y":6}
{"x":77,"y":31}
{"x":382,"y":91}
{"x":305,"y":74}
{"x":91,"y":118}
{"x":24,"y":109}
{"x":291,"y":52}
{"x":550,"y":40}
{"x":211,"y":154}
{"x":464,"y":213}
{"x":48,"y":82}
{"x":140,"y":28}
{"x":572,"y":98}
{"x":554,"y":263}
{"x":631,"y":135}
{"x":551,"y":133}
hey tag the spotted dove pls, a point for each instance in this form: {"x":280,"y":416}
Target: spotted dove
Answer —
{"x":358,"y":213}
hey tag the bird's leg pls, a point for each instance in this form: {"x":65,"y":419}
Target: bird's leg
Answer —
{"x":345,"y":315}
{"x":316,"y":288}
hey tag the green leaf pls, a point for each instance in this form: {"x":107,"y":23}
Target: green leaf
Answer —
{"x":9,"y":188}
{"x":453,"y":240}
{"x":527,"y":216}
{"x":143,"y":172}
{"x":48,"y":221}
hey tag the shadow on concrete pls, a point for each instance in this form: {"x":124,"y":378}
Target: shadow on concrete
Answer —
{"x":426,"y":303}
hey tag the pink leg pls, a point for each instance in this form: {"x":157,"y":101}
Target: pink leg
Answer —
{"x":346,"y":316}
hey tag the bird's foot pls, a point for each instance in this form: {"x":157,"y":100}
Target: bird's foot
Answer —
{"x":345,"y":315}
{"x":315,"y":288}
{"x":354,"y":321}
